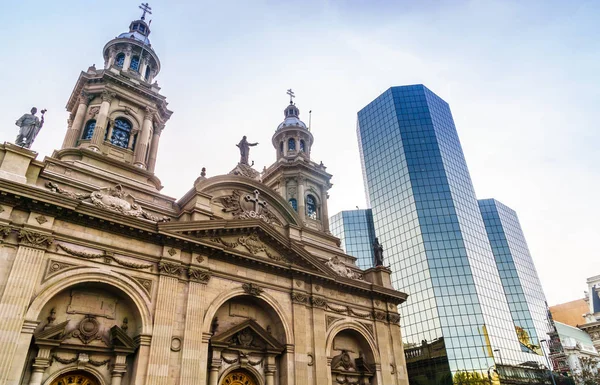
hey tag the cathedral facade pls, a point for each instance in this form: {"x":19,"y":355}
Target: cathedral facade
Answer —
{"x":106,"y":281}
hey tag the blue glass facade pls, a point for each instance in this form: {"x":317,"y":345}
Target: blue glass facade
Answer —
{"x":426,"y":214}
{"x":520,"y":281}
{"x":355,"y":230}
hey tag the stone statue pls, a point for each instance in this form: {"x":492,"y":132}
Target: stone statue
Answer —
{"x":378,"y":251}
{"x":30,"y":125}
{"x":244,"y":147}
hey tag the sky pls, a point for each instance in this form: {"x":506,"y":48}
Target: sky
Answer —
{"x":521,"y":78}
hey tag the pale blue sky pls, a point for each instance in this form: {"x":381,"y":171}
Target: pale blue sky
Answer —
{"x":521,"y":78}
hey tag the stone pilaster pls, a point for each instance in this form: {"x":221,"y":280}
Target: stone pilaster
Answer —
{"x":320,"y":339}
{"x":193,"y":358}
{"x":101,"y":122}
{"x":140,"y":366}
{"x":17,"y":294}
{"x":74,"y":132}
{"x":166,"y":301}
{"x":383,"y":343}
{"x":400,"y":372}
{"x":301,"y":338}
{"x":141,"y":147}
{"x":119,"y":369}
{"x":301,"y":200}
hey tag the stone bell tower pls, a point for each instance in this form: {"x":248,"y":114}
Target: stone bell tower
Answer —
{"x":118,"y":112}
{"x":302,"y":182}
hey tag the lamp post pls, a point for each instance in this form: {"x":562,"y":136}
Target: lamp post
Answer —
{"x":501,"y":364}
{"x":548,"y":361}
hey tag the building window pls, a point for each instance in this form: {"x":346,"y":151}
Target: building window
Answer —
{"x":120,"y":59}
{"x":291,"y":144}
{"x":88,"y":131}
{"x":135,"y":63}
{"x":294,"y":204}
{"x":311,"y":207}
{"x":121,"y":132}
{"x":301,"y":145}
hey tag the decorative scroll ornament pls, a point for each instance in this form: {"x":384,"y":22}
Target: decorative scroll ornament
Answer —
{"x":5,"y":230}
{"x":252,"y":289}
{"x":318,"y":302}
{"x":110,"y":198}
{"x":379,"y":315}
{"x":342,"y":270}
{"x":64,"y":361}
{"x":170,"y":268}
{"x":106,"y":255}
{"x":248,"y":206}
{"x":394,"y":318}
{"x":299,"y":297}
{"x":359,"y":314}
{"x":33,"y":239}
{"x":198,"y":275}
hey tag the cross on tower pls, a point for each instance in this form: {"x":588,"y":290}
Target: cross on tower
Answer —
{"x":292,"y":96}
{"x":257,"y":202}
{"x":146,"y":8}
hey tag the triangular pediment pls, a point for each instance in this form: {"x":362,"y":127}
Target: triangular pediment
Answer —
{"x":56,"y":332}
{"x":252,"y":239}
{"x":120,"y":340}
{"x":248,"y":335}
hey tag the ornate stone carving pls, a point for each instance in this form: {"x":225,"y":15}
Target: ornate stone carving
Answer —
{"x":343,"y":360}
{"x":340,"y":309}
{"x":252,"y":243}
{"x":359,"y":314}
{"x":311,"y":360}
{"x":248,"y":206}
{"x":176,"y":344}
{"x":369,"y":327}
{"x":93,"y":111}
{"x":200,"y":259}
{"x":229,"y":361}
{"x":107,"y":256}
{"x":394,"y":318}
{"x":64,"y":361}
{"x":172,"y":251}
{"x":88,"y":330}
{"x":145,"y":283}
{"x":198,"y":275}
{"x":168,"y":268}
{"x":5,"y":230}
{"x":252,"y":289}
{"x":246,"y":339}
{"x":341,"y":269}
{"x":41,"y":219}
{"x":107,"y":96}
{"x":98,"y":363}
{"x":299,"y":297}
{"x":110,"y":198}
{"x":329,"y":320}
{"x":318,"y":302}
{"x":148,"y":113}
{"x":379,"y":315}
{"x":56,"y":266}
{"x":33,"y":239}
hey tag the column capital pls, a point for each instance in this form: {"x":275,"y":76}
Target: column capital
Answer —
{"x":149,"y":113}
{"x":84,"y":98}
{"x":34,"y":239}
{"x":107,"y":96}
{"x":198,"y":275}
{"x":170,"y":269}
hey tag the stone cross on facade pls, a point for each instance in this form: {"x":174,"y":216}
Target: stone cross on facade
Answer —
{"x":146,"y":8}
{"x":292,"y":96}
{"x":257,"y":202}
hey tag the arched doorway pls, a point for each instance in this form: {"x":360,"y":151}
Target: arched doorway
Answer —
{"x":239,"y":377}
{"x":76,"y":378}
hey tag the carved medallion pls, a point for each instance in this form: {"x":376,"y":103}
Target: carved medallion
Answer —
{"x":41,"y":219}
{"x":248,"y":206}
{"x":252,"y":289}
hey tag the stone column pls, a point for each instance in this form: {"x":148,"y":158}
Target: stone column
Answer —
{"x":192,"y":362}
{"x":140,"y":366}
{"x":270,"y":369}
{"x":74,"y":132}
{"x":111,"y":57}
{"x":154,"y":147}
{"x":141,"y":147}
{"x":127,"y":61}
{"x":166,"y":301}
{"x":301,"y":202}
{"x":40,"y":364}
{"x":17,"y":294}
{"x":101,"y":122}
{"x":215,"y":366}
{"x":383,"y":342}
{"x":145,"y":61}
{"x":119,"y":369}
{"x":324,"y":211}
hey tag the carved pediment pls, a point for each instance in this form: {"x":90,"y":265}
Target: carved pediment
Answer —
{"x":250,"y":243}
{"x":121,"y":341}
{"x":249,"y":336}
{"x":248,"y":205}
{"x":51,"y":333}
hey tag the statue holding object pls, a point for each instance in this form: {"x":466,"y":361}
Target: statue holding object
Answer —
{"x":378,"y":251}
{"x":244,"y":147}
{"x":30,"y":125}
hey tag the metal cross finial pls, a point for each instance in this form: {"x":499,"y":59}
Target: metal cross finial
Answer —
{"x":146,"y":8}
{"x":292,"y":96}
{"x":254,"y":199}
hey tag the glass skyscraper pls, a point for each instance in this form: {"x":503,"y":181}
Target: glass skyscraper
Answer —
{"x":457,"y":321}
{"x":355,"y":230}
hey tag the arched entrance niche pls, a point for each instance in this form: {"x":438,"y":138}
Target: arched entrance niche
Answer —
{"x":352,"y":355}
{"x":75,"y":377}
{"x":88,"y":326}
{"x":247,"y":335}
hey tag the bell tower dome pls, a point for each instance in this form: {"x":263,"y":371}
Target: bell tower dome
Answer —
{"x":302,"y":182}
{"x":117,"y":113}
